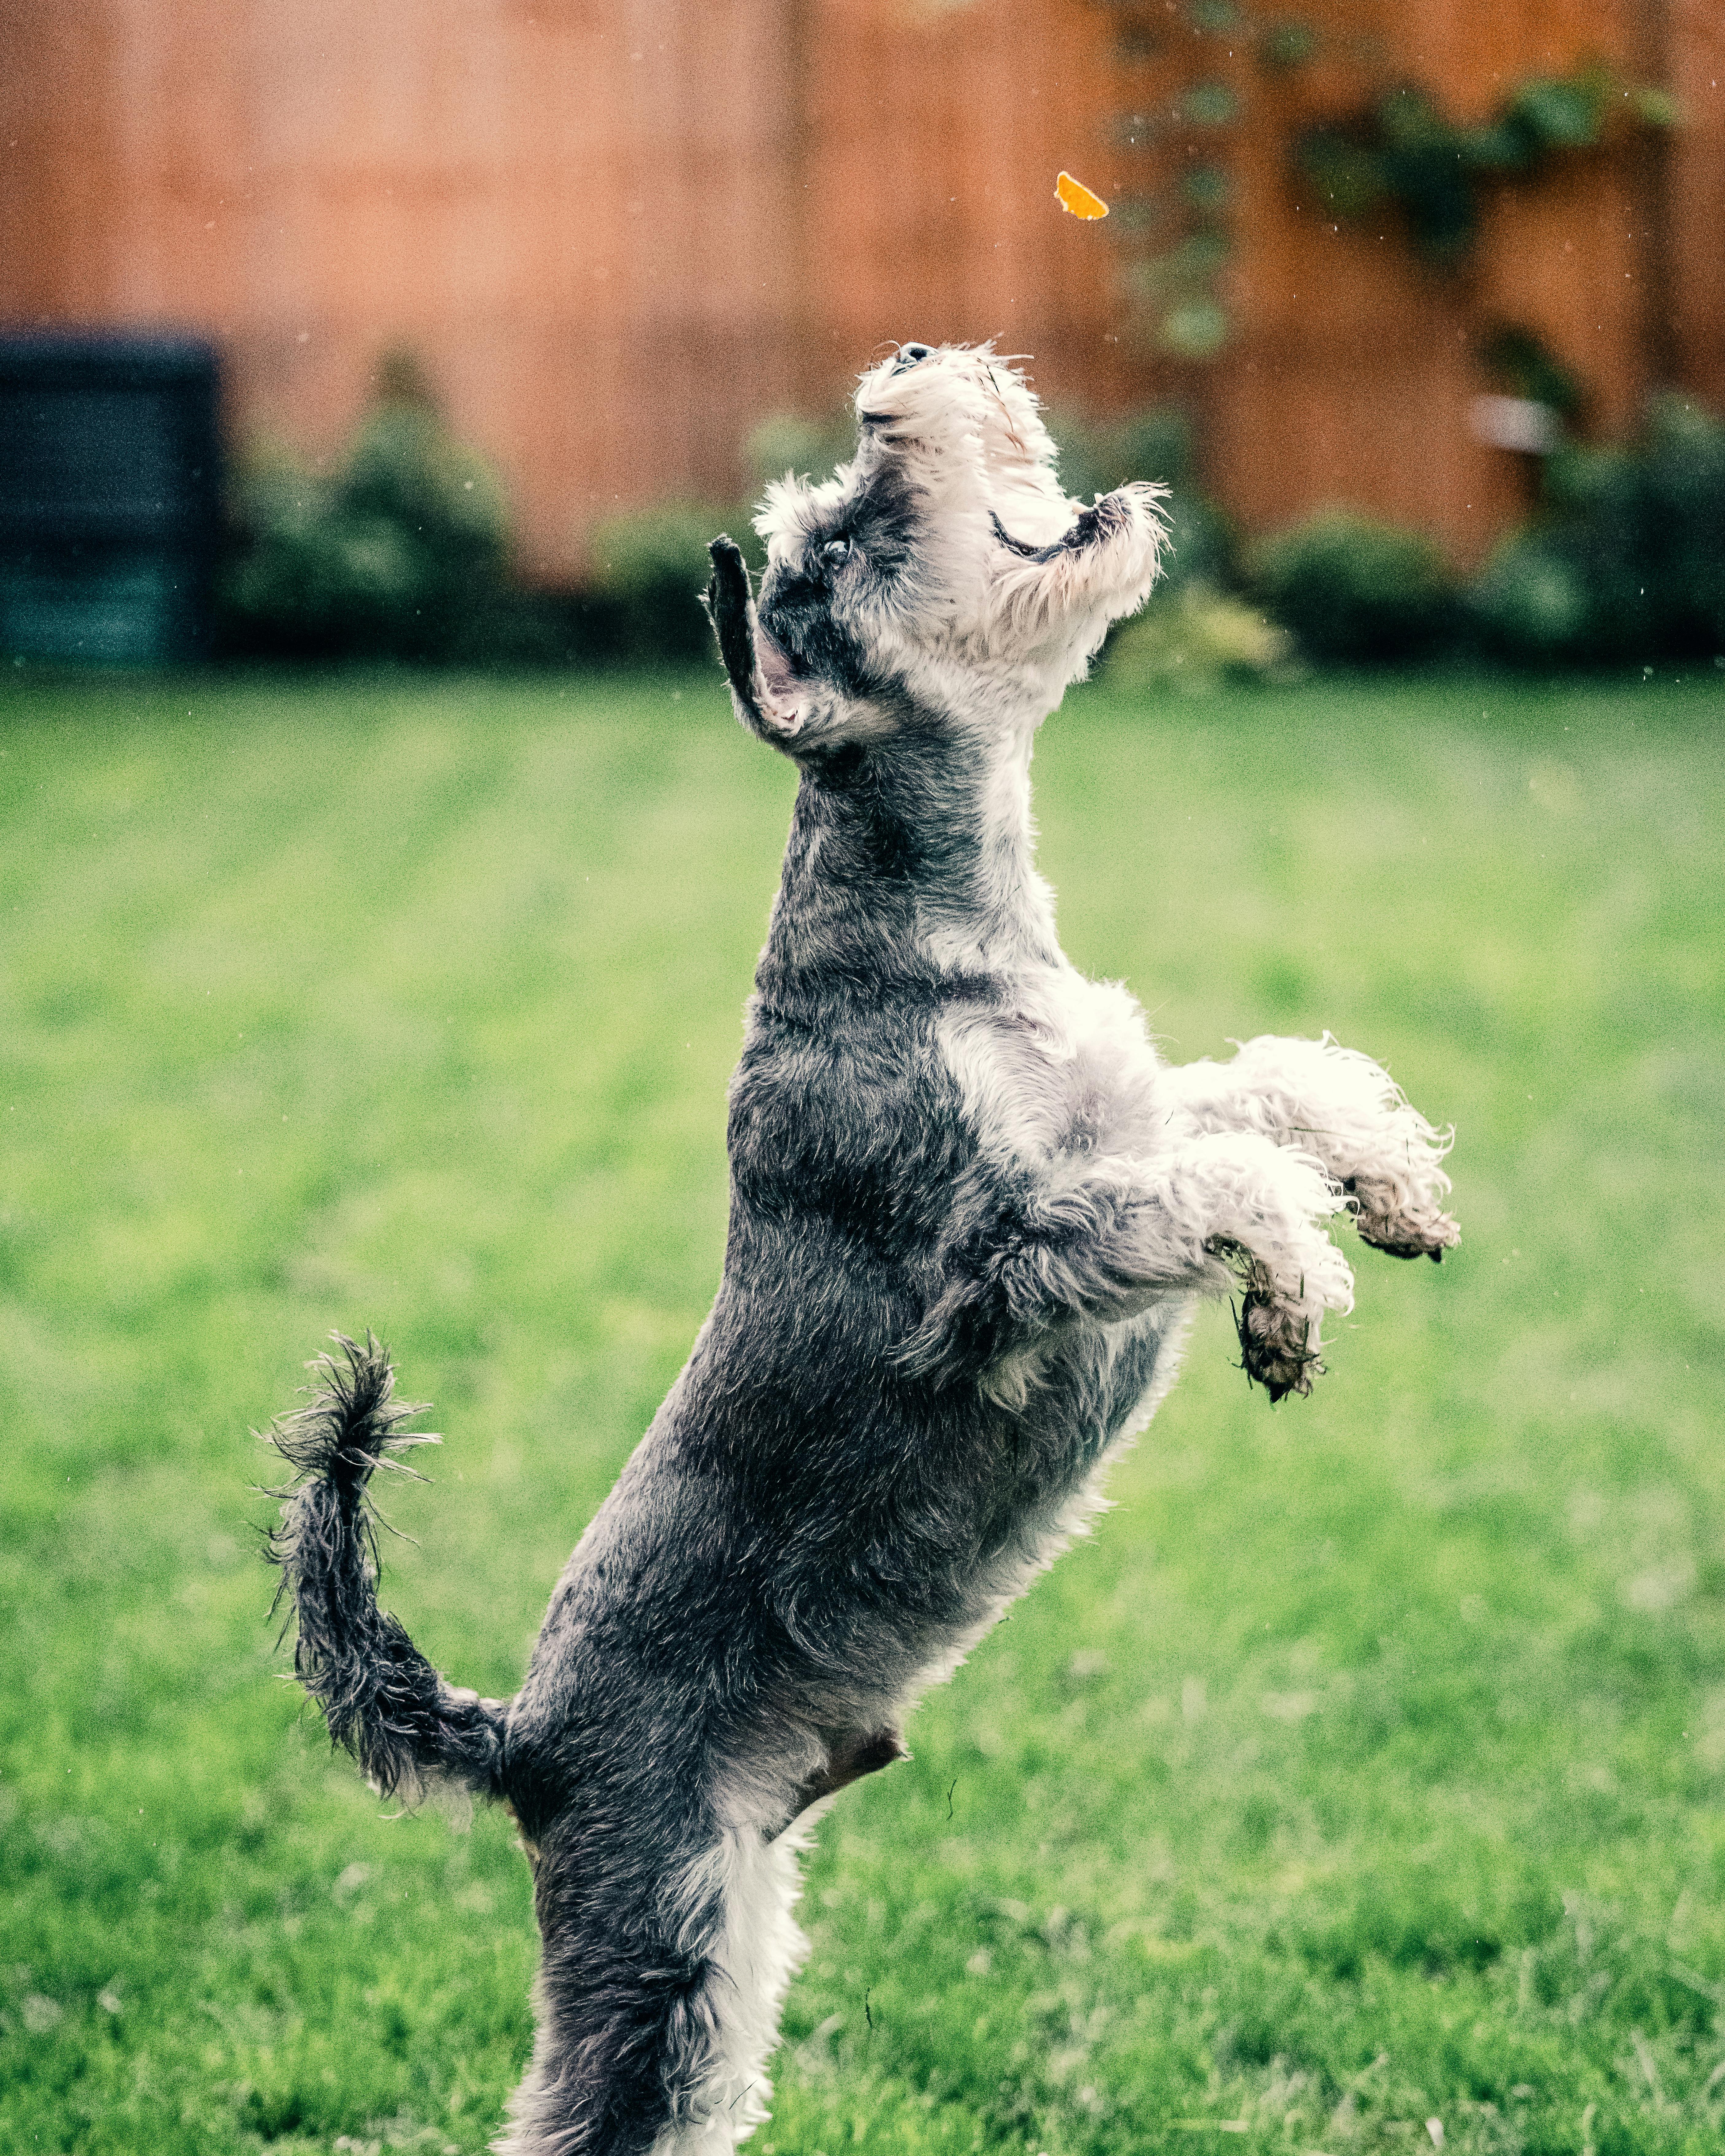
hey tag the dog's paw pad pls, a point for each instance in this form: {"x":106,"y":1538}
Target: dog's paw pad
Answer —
{"x":1275,"y":1345}
{"x":1409,"y":1234}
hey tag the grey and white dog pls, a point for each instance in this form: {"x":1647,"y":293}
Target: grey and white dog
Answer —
{"x":970,"y":1210}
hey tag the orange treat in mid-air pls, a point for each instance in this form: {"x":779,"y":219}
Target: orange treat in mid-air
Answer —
{"x":1077,"y":198}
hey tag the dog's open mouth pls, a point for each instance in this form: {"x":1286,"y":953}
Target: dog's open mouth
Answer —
{"x":782,"y":685}
{"x":777,"y":670}
{"x":1087,"y":528}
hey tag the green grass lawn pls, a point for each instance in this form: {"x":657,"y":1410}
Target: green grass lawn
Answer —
{"x":1366,"y":1769}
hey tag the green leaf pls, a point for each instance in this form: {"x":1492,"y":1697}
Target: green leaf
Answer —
{"x":1348,"y":173}
{"x":1290,"y":44}
{"x":1563,"y":115}
{"x":1189,"y":267}
{"x":1197,"y":329}
{"x":1207,"y":187}
{"x":1209,"y":104}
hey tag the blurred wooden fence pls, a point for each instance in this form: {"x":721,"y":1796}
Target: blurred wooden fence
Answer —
{"x":619,"y":232}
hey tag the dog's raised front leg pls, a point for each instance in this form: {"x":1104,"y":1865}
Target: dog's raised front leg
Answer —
{"x":1108,"y":1238}
{"x":1106,"y":559}
{"x":760,"y":705}
{"x":1347,"y":1111}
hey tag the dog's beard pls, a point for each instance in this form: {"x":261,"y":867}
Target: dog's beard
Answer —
{"x":1024,"y":571}
{"x":967,"y":426}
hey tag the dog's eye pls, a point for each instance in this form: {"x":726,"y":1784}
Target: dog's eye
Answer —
{"x":835,"y":550}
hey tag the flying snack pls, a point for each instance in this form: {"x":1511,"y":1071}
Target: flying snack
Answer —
{"x":1078,"y":198}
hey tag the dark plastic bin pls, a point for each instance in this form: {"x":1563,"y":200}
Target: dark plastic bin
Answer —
{"x":110,"y":497}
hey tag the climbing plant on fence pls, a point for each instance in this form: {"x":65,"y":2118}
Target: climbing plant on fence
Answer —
{"x":1364,"y":137}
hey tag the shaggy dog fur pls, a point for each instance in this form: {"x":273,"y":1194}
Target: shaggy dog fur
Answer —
{"x":970,"y":1209}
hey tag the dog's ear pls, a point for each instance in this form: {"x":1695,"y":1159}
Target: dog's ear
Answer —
{"x":731,"y":608}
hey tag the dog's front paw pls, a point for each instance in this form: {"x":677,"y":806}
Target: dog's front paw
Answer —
{"x":762,"y":692}
{"x":1278,"y":1345}
{"x":1390,"y":1220}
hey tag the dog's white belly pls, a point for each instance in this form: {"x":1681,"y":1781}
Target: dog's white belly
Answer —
{"x":1070,"y":1070}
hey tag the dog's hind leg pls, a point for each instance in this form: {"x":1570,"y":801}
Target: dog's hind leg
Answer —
{"x":739,"y":1894}
{"x":1346,"y":1109}
{"x":658,"y":1995}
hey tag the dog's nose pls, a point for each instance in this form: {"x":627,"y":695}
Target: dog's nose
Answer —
{"x":909,"y":354}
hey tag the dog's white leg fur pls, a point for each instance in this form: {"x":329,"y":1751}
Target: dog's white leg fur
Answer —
{"x":1346,"y":1110}
{"x":754,"y":1884}
{"x":1269,"y":1201}
{"x":1261,"y":1209}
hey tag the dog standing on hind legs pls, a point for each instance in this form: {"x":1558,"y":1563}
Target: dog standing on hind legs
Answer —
{"x":970,"y":1210}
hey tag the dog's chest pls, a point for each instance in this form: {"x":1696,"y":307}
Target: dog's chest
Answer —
{"x":1065,"y":1069}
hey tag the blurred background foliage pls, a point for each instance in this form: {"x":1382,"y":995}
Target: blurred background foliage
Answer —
{"x":402,"y":550}
{"x":1401,"y":151}
{"x":402,"y":553}
{"x":1396,"y":157}
{"x":1625,"y":561}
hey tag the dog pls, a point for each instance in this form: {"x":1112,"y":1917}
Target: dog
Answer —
{"x":971,"y":1210}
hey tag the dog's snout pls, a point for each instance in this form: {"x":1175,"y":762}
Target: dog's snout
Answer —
{"x":909,"y":354}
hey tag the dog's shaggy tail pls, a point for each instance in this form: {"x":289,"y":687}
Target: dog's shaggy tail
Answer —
{"x":382,"y":1699}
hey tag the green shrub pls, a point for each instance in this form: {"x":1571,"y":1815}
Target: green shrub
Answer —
{"x":1531,"y":604}
{"x":1355,"y":592}
{"x":648,"y":567}
{"x":647,"y":570}
{"x":401,"y":553}
{"x":1153,"y":443}
{"x":786,"y":441}
{"x":1195,"y":638}
{"x":1626,"y":560}
{"x":640,"y":598}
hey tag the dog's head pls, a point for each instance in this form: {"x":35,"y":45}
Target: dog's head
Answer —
{"x":941,"y":572}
